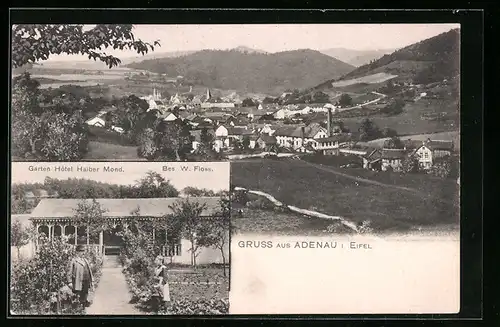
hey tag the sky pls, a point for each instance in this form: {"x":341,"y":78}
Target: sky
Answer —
{"x":217,"y":179}
{"x":281,"y":37}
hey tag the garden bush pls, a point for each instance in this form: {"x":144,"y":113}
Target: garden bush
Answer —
{"x":39,"y":284}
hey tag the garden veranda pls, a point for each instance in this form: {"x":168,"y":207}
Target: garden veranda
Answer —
{"x":58,"y":217}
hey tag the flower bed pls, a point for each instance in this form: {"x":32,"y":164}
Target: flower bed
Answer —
{"x":202,"y":292}
{"x":39,"y":285}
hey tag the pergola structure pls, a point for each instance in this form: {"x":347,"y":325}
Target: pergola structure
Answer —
{"x":55,"y":217}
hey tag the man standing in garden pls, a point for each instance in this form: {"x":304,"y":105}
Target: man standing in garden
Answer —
{"x":80,"y":277}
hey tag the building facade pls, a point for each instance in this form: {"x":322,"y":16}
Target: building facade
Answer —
{"x":54,"y":217}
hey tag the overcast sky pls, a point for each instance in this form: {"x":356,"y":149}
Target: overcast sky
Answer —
{"x":216,"y":180}
{"x":275,"y":38}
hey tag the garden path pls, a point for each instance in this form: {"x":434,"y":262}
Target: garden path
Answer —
{"x":112,"y":295}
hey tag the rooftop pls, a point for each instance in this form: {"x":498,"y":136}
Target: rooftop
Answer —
{"x":116,"y":208}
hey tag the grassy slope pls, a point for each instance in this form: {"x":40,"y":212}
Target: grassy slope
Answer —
{"x":100,"y":150}
{"x":257,"y":221}
{"x":294,"y":182}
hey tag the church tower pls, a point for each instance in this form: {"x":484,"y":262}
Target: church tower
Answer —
{"x":209,"y":96}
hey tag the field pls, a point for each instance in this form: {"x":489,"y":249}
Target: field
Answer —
{"x":369,"y":79}
{"x":101,"y":150}
{"x":410,"y":122}
{"x":388,"y":207}
{"x":198,"y":287}
{"x":265,"y":221}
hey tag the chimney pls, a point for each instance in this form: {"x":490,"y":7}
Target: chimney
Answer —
{"x":303,"y":132}
{"x":329,"y":122}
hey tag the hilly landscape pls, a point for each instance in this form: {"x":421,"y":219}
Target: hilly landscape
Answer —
{"x":250,"y":71}
{"x":356,"y":57}
{"x":438,"y":57}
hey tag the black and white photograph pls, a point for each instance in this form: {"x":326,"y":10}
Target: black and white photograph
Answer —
{"x":316,"y":164}
{"x":119,"y":238}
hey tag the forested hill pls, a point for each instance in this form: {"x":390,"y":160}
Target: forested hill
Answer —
{"x":427,"y":61}
{"x":250,"y":71}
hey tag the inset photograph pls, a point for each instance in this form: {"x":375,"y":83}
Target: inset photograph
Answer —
{"x":119,"y":238}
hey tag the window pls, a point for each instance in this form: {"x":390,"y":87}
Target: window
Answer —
{"x":426,"y":155}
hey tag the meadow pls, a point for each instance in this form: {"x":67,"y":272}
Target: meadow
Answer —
{"x":369,"y":79}
{"x":108,"y":151}
{"x":283,"y":223}
{"x":306,"y":186}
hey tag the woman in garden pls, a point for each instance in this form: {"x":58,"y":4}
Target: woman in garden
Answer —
{"x":161,"y":272}
{"x":80,"y":277}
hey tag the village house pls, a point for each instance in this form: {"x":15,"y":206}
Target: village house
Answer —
{"x":281,"y":113}
{"x":97,"y":121}
{"x":372,"y":159}
{"x":53,"y":217}
{"x":238,"y":133}
{"x":332,"y":144}
{"x":392,"y":159}
{"x":296,"y":137}
{"x":169,"y":116}
{"x":430,"y":150}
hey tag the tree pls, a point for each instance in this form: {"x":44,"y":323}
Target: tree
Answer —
{"x":248,"y":102}
{"x":206,"y":138}
{"x":268,"y":100}
{"x":89,"y":214}
{"x":368,"y":130}
{"x":410,"y":164}
{"x":147,"y":145}
{"x":174,"y":140}
{"x":193,"y":226}
{"x":31,"y":43}
{"x":129,"y":112}
{"x":389,"y":132}
{"x":395,"y":107}
{"x":345,"y":100}
{"x":217,"y":234}
{"x":394,"y":143}
{"x":19,"y":236}
{"x":154,"y":185}
{"x":320,"y":97}
{"x":197,"y":192}
{"x":245,"y":143}
{"x":44,"y":134}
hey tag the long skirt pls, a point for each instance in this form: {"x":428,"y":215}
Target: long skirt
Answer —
{"x":166,"y":293}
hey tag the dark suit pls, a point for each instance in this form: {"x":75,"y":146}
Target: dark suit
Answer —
{"x":80,"y":275}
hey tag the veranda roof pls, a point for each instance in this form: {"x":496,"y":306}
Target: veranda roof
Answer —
{"x":120,"y":208}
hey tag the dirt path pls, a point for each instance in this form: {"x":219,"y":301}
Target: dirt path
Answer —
{"x":112,"y":296}
{"x":362,"y":180}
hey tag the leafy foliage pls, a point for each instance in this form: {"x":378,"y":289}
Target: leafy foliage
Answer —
{"x":39,"y":283}
{"x":345,"y":100}
{"x":445,"y":167}
{"x":31,"y":43}
{"x":394,"y":143}
{"x":410,"y":164}
{"x":395,"y":107}
{"x":166,"y":140}
{"x":368,"y":130}
{"x":19,"y":236}
{"x":46,"y":135}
